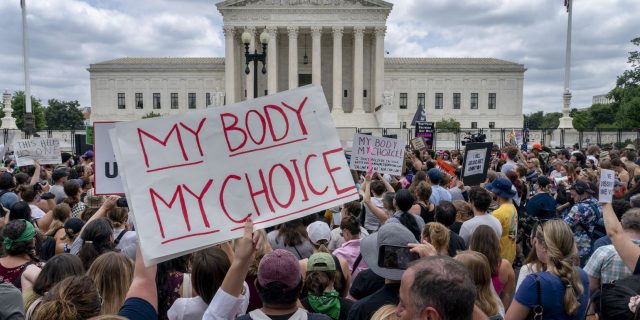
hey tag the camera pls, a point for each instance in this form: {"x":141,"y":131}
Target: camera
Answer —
{"x":473,"y":138}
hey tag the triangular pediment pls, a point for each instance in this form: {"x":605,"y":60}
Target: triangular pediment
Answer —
{"x":230,"y":4}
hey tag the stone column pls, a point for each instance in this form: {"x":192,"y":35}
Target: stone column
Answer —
{"x":337,"y":69}
{"x":358,"y":72}
{"x":8,"y":121}
{"x":379,"y":67}
{"x":249,"y":77}
{"x":272,"y":60}
{"x":293,"y":57}
{"x":316,"y":60}
{"x":229,"y":64}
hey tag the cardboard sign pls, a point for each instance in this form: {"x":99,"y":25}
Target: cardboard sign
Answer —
{"x":476,"y":161}
{"x":45,"y":150}
{"x":107,"y":173}
{"x":418,"y":144}
{"x":383,"y":155}
{"x":193,"y":179}
{"x":607,"y":183}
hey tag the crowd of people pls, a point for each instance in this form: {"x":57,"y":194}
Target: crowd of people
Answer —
{"x":533,"y":241}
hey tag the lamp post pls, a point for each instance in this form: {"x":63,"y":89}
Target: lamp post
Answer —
{"x":29,"y":127}
{"x":255,"y":57}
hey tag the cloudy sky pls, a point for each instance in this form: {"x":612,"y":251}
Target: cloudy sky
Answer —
{"x":68,"y":35}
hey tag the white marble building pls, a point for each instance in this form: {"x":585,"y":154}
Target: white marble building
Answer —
{"x":338,"y":44}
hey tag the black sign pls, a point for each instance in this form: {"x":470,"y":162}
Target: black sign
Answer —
{"x":424,"y":130}
{"x":477,"y":157}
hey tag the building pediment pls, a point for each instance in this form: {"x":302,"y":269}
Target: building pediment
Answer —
{"x":286,"y":4}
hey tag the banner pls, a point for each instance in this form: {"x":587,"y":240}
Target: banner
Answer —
{"x":192,"y":179}
{"x":45,"y":150}
{"x":477,"y":157}
{"x":383,"y":155}
{"x":107,"y":174}
{"x":418,"y":144}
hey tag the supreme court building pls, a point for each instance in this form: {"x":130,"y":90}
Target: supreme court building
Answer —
{"x":338,"y":44}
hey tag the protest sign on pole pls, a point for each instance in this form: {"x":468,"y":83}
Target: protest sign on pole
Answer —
{"x":107,"y":175}
{"x":418,"y":144}
{"x":607,"y":183}
{"x":383,"y":155}
{"x":425,"y":130}
{"x":193,"y":179}
{"x":476,"y":161}
{"x":45,"y":150}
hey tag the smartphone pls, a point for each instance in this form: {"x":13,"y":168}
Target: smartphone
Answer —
{"x":396,"y":257}
{"x":122,"y":203}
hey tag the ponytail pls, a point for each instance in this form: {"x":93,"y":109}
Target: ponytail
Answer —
{"x":322,"y":245}
{"x":572,"y":283}
{"x":407,"y":220}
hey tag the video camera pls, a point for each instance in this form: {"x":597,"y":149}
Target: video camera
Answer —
{"x":474,"y":137}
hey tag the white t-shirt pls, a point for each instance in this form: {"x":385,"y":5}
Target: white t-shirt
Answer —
{"x":470,"y":226}
{"x":371,"y":221}
{"x":127,"y":244}
{"x":194,"y":308}
{"x":226,"y":306}
{"x":36,"y":213}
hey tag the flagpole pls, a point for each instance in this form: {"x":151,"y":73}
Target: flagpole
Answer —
{"x":28,"y":117}
{"x":566,"y":122}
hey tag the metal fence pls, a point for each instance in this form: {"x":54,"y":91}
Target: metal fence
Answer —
{"x":70,"y":140}
{"x":554,"y":138}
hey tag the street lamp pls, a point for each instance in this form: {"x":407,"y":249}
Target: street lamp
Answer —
{"x":255,"y":57}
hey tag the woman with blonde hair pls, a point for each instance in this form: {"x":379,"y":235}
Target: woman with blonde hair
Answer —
{"x":386,"y":312}
{"x":72,"y":298}
{"x":112,"y":273}
{"x":437,"y":235}
{"x":480,"y":272}
{"x":560,"y":292}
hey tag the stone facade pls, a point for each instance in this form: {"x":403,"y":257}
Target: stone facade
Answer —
{"x":343,"y":41}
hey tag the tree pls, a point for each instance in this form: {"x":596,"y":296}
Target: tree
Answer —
{"x":534,"y":120}
{"x":151,"y":115}
{"x":627,"y":92}
{"x":551,"y":120}
{"x":448,"y":124}
{"x":582,"y":120}
{"x":19,"y":109}
{"x":64,"y":115}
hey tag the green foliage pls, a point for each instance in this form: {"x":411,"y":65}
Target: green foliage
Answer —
{"x":151,"y":115}
{"x":626,"y":94}
{"x":541,"y":120}
{"x":450,"y":123}
{"x":582,"y":120}
{"x":64,"y":115}
{"x":19,"y":109}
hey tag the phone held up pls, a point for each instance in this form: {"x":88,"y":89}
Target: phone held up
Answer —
{"x":396,"y":257}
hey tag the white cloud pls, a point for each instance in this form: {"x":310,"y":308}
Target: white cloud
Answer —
{"x":68,"y":35}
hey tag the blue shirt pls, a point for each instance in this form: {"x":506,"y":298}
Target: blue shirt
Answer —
{"x":541,"y":206}
{"x":138,"y":309}
{"x":582,"y":220}
{"x":438,"y":194}
{"x":552,"y":295}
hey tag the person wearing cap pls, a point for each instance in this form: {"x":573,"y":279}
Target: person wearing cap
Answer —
{"x":438,"y":193}
{"x":87,"y":157}
{"x":582,"y":218}
{"x":319,"y":234}
{"x":507,"y":214}
{"x":59,"y":177}
{"x":389,"y":235}
{"x":480,"y":200}
{"x":542,"y":205}
{"x":322,"y":297}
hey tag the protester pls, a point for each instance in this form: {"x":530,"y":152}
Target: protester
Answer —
{"x":112,"y":274}
{"x":57,"y":269}
{"x":534,"y":261}
{"x":390,"y":234}
{"x":563,"y":288}
{"x":436,"y":288}
{"x":438,"y":193}
{"x":73,"y":298}
{"x":291,"y":236}
{"x":11,"y":301}
{"x":479,"y":199}
{"x":376,"y":213}
{"x":507,"y":215}
{"x":437,"y":235}
{"x":446,"y":214}
{"x":96,"y":240}
{"x":59,"y":178}
{"x":350,"y":250}
{"x":403,"y":201}
{"x":18,"y":242}
{"x":582,"y":218}
{"x":542,"y":205}
{"x":480,"y":271}
{"x":124,"y":239}
{"x":319,"y":281}
{"x":351,"y":209}
{"x":502,"y":274}
{"x":618,"y":300}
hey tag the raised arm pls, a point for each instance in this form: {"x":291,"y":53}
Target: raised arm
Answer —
{"x":143,"y":287}
{"x":36,"y":173}
{"x":386,"y":183}
{"x":628,"y":251}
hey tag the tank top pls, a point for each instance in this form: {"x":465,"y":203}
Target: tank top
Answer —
{"x":497,"y":284}
{"x":12,"y":275}
{"x":426,"y":214}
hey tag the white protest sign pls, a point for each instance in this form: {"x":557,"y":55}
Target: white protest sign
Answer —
{"x":45,"y":150}
{"x":474,"y":162}
{"x":193,"y":179}
{"x":107,"y":175}
{"x":607,"y":183}
{"x":385,"y":155}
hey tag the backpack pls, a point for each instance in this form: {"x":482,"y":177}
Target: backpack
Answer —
{"x":599,"y":229}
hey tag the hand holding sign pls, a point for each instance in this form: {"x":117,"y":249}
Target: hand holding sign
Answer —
{"x":607,"y":182}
